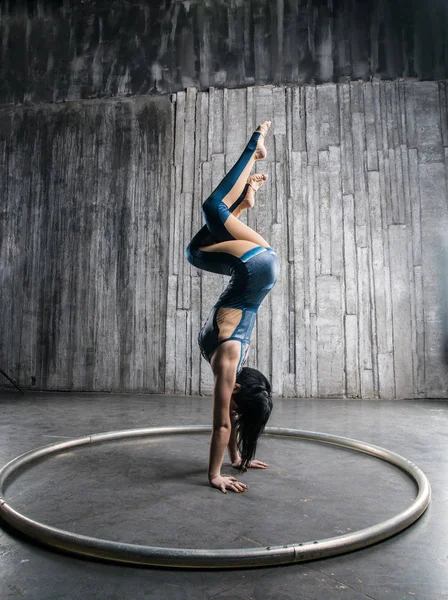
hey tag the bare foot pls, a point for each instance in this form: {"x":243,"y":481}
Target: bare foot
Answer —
{"x":261,"y":151}
{"x":255,"y":182}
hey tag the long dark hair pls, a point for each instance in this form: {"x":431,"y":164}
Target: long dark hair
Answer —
{"x":254,"y":405}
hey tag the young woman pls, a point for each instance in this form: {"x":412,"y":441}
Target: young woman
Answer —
{"x":242,"y":396}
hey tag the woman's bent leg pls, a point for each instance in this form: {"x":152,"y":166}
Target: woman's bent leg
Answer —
{"x":220,"y":222}
{"x":203,"y":237}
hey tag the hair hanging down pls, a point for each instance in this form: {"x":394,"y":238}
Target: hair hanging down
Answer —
{"x":254,"y":403}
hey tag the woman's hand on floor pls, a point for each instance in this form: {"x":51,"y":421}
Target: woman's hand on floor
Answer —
{"x":227,"y":483}
{"x":254,"y":464}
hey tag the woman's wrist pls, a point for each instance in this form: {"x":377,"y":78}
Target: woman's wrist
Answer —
{"x":212,"y":476}
{"x":235,"y":457}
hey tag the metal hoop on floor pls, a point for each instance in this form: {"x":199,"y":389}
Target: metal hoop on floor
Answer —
{"x":226,"y":558}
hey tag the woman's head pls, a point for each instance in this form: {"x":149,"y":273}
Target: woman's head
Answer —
{"x":253,"y":401}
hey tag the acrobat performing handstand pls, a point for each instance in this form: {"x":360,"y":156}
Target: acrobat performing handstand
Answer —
{"x":242,"y":395}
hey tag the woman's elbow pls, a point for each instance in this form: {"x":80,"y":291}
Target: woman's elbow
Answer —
{"x":222,"y":427}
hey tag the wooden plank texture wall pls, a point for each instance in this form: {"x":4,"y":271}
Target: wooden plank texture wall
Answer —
{"x":84,"y":192}
{"x":99,"y":200}
{"x":355,"y":206}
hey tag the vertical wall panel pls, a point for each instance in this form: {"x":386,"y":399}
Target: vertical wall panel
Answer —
{"x":297,"y":290}
{"x":433,"y":192}
{"x":280,"y":339}
{"x":350,"y":259}
{"x":345,"y":118}
{"x":371,"y":140}
{"x":351,"y":356}
{"x":324,"y":227}
{"x":401,"y":311}
{"x":327,"y":116}
{"x":336,"y":212}
{"x":330,"y":355}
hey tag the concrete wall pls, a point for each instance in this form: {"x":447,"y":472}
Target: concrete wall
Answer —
{"x":56,"y":50}
{"x":100,"y":198}
{"x":84,"y":191}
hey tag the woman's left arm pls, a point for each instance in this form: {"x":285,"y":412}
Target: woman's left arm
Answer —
{"x":234,"y":455}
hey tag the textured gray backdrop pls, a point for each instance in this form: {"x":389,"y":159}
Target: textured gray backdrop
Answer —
{"x":100,"y":198}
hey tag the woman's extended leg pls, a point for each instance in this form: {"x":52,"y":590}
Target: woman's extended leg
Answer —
{"x":234,"y":182}
{"x":222,"y":225}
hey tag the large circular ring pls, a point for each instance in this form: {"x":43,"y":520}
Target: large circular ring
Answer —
{"x":225,"y":558}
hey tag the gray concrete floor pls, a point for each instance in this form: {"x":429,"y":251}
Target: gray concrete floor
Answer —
{"x":154,"y":491}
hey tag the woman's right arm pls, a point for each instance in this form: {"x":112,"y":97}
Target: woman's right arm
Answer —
{"x":225,"y":377}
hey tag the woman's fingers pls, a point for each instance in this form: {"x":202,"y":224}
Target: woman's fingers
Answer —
{"x":228,"y":483}
{"x":236,"y":486}
{"x":240,"y":486}
{"x":258,"y":464}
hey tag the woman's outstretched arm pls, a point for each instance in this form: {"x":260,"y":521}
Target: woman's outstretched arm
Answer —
{"x":225,"y":376}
